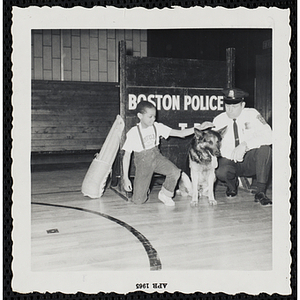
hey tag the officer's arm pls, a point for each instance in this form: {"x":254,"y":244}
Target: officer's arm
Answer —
{"x":262,"y":133}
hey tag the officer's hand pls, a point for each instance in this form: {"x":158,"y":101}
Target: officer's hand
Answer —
{"x":239,"y":152}
{"x":127,"y":185}
{"x":205,"y":125}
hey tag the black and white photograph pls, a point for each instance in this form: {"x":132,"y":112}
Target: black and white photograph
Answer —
{"x":151,"y":150}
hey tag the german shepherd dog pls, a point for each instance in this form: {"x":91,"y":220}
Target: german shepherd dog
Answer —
{"x":203,"y":153}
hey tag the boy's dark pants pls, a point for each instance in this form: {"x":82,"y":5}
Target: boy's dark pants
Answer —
{"x":256,"y":162}
{"x":148,"y":162}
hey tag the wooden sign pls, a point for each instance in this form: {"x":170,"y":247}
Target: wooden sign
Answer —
{"x":185,"y":92}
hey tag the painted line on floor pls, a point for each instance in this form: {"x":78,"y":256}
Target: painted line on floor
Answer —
{"x":155,"y":263}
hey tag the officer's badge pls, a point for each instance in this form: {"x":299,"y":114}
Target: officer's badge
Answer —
{"x":231,"y":94}
{"x":261,"y":119}
{"x":247,"y":125}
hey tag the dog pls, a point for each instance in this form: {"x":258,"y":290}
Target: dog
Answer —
{"x":203,"y":153}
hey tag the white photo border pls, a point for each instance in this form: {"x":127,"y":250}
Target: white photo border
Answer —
{"x":26,"y":19}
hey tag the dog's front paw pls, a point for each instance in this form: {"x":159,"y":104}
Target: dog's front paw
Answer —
{"x":194,"y":203}
{"x":212,"y":202}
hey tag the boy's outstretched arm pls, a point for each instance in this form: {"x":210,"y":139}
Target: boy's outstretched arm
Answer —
{"x":126,"y":163}
{"x":182,"y":133}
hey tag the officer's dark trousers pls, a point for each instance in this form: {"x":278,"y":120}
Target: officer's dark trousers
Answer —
{"x":256,"y":162}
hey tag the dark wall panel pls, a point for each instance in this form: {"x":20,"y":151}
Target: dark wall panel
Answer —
{"x":71,"y":116}
{"x":210,"y":44}
{"x":263,"y":96}
{"x":169,"y":72}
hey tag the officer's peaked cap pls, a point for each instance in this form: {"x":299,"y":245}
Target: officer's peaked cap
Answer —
{"x":234,"y":95}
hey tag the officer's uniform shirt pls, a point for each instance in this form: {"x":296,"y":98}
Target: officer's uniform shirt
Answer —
{"x":150,"y":139}
{"x":252,"y":129}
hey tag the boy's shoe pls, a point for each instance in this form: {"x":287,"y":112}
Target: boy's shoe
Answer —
{"x":262,"y":199}
{"x":165,"y":199}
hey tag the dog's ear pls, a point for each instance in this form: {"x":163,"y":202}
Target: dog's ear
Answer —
{"x":198,"y":133}
{"x":222,"y":131}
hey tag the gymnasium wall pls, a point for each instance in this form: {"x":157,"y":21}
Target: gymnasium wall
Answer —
{"x":82,"y":55}
{"x":75,"y":92}
{"x":75,"y":77}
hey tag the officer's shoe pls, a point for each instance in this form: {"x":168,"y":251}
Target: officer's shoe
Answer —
{"x":262,"y":199}
{"x":231,"y":193}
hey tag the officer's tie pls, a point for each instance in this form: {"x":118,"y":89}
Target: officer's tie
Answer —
{"x":244,"y":180}
{"x":236,"y":135}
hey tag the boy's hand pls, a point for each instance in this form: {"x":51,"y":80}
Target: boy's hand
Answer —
{"x":127,"y":185}
{"x":205,"y":125}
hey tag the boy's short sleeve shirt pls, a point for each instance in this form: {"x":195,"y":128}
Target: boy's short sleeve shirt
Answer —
{"x":133,"y":141}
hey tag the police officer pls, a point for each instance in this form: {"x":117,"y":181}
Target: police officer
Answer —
{"x":245,"y":148}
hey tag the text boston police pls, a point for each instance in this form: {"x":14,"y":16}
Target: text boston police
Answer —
{"x":174,"y":102}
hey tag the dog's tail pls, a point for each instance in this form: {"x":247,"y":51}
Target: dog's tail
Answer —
{"x":185,"y":185}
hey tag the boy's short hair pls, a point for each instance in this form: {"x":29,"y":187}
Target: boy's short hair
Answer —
{"x":143,"y":105}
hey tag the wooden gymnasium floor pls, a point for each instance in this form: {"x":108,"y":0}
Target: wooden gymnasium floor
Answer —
{"x":70,"y":232}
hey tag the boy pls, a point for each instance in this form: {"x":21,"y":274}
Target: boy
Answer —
{"x":143,"y":139}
